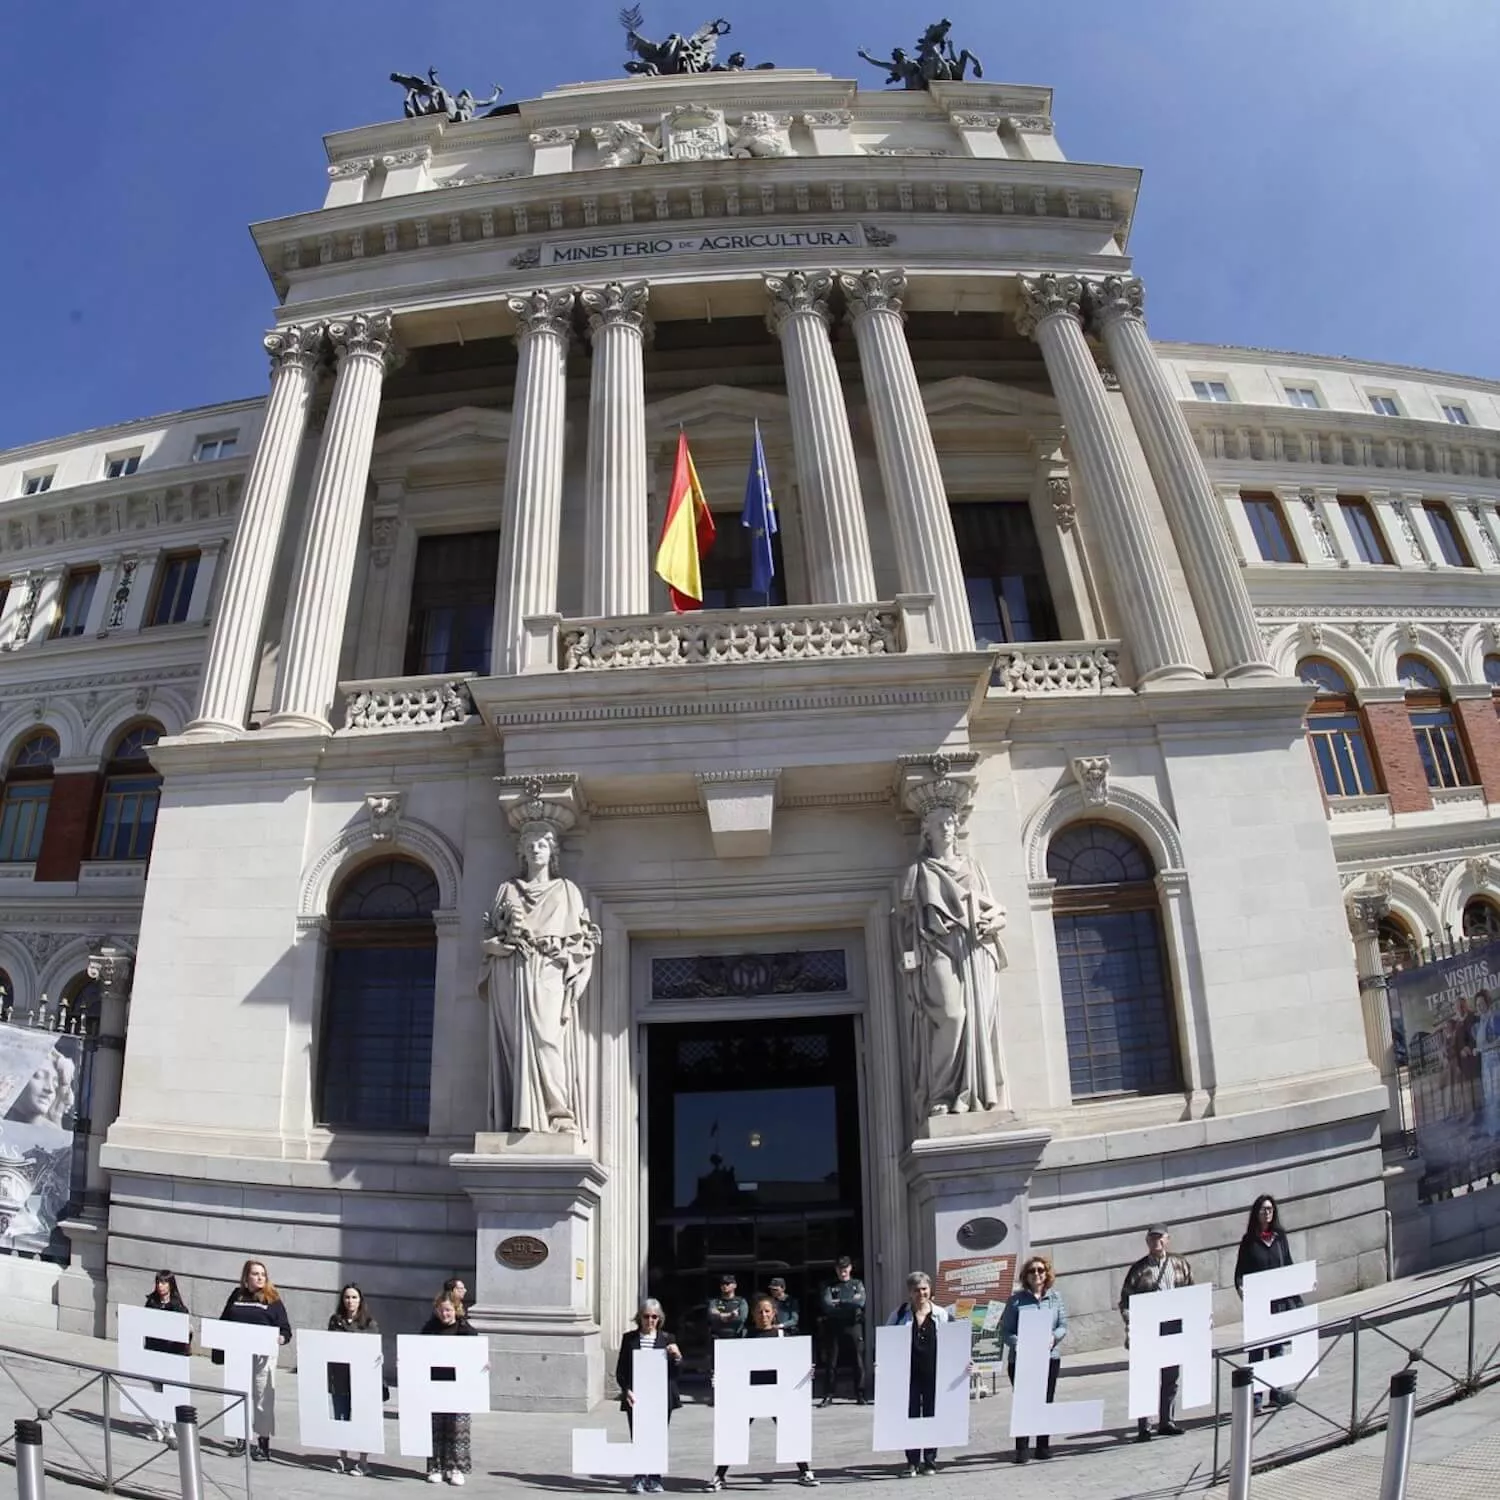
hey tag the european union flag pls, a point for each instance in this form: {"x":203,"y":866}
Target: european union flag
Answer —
{"x":759,"y":518}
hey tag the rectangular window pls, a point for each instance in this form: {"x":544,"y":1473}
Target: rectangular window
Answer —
{"x":1368,"y":541}
{"x":1338,"y":747}
{"x":23,"y":816}
{"x":1268,"y":524}
{"x":1384,"y":406}
{"x":174,"y":589}
{"x":78,"y":595}
{"x":127,"y":817}
{"x":1450,"y":542}
{"x":1303,"y":395}
{"x":210,"y":448}
{"x":452,"y":604}
{"x":1440,"y":747}
{"x":727,"y":568}
{"x":1004,"y":576}
{"x":121,"y":465}
{"x":1455,"y":412}
{"x":1211,"y":390}
{"x":37,"y":484}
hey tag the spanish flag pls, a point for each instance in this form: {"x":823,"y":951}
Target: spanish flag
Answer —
{"x":686,"y":534}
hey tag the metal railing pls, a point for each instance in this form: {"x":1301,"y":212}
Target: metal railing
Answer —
{"x":80,"y":1406}
{"x":1451,"y":1330}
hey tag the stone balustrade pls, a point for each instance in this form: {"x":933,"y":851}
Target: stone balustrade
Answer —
{"x":407,"y":702}
{"x":1054,"y":667}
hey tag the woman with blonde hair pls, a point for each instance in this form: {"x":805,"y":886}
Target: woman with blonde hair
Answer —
{"x":256,"y":1302}
{"x":1038,"y":1288}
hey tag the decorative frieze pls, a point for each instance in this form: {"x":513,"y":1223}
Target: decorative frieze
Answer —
{"x":121,"y":600}
{"x":409,"y":703}
{"x":1089,"y":667}
{"x":1060,"y":492}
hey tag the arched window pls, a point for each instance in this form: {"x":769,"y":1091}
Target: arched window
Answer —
{"x":1117,"y":996}
{"x":1336,"y":732}
{"x":132,"y":790}
{"x":1481,"y":920}
{"x":1439,"y":743}
{"x":1492,"y":670}
{"x":28,"y":790}
{"x":1398,"y":947}
{"x":375,"y":1057}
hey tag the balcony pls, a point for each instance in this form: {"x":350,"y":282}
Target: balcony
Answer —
{"x":1055,"y":668}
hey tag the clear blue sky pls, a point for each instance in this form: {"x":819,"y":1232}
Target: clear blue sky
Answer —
{"x":1320,"y":175}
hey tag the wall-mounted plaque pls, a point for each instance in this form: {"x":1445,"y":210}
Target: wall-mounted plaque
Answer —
{"x":521,"y":1252}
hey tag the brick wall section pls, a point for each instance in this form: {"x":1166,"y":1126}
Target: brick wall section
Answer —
{"x":1395,"y":748}
{"x":67,"y":840}
{"x":1481,"y":727}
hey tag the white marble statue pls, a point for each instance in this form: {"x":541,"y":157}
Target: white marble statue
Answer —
{"x":949,"y":926}
{"x":539,"y":951}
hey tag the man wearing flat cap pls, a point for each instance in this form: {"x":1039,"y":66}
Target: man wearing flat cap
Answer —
{"x":1158,"y":1270}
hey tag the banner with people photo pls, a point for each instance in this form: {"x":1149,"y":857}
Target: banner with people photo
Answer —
{"x":38,"y":1079}
{"x":1448,"y":1015}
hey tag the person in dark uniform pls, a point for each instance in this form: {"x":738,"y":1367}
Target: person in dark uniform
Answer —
{"x":728,"y":1312}
{"x":843,"y":1329}
{"x":788,"y":1315}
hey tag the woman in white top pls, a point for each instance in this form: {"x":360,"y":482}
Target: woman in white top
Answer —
{"x":923,"y":1314}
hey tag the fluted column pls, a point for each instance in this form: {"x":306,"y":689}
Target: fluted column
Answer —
{"x":1213,"y":577}
{"x":1364,"y":914}
{"x":839,"y":567}
{"x":616,"y":551}
{"x":926,"y":549}
{"x":110,"y":969}
{"x":532,"y":519}
{"x":1051,"y":311}
{"x":234,"y":646}
{"x":309,"y":672}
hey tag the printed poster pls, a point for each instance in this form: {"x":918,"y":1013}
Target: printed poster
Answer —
{"x":39,"y":1075}
{"x":974,"y":1289}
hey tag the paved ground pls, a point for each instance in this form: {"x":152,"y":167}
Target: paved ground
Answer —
{"x":523,"y":1456}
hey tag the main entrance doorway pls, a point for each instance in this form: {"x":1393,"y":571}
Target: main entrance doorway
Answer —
{"x":753,"y":1162}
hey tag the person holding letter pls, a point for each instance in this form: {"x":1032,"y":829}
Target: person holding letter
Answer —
{"x":255,"y":1301}
{"x":1038,"y":1289}
{"x":450,"y":1459}
{"x":923,"y":1315}
{"x":165,"y":1297}
{"x":1156,"y":1271}
{"x":349,"y":1316}
{"x":1264,"y":1247}
{"x":648,"y":1333}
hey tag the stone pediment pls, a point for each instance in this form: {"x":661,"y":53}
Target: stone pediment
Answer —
{"x":965,"y":397}
{"x":468,"y":437}
{"x":716,"y":413}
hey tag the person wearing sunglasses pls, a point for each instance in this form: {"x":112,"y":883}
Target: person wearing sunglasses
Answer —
{"x":1038,"y":1288}
{"x":649,"y":1333}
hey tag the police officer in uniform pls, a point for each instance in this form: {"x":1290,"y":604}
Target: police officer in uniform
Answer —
{"x":843,"y":1329}
{"x":788,"y":1315}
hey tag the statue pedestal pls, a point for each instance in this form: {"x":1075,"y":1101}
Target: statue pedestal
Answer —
{"x":535,"y":1196}
{"x":968,"y":1176}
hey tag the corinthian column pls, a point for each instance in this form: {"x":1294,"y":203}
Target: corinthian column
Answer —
{"x":532,"y":518}
{"x":833,"y":511}
{"x":324,"y":579}
{"x":1192,"y":506}
{"x":1050,"y":311}
{"x":926,"y":551}
{"x":234,"y":645}
{"x":616,"y":557}
{"x":1364,"y":914}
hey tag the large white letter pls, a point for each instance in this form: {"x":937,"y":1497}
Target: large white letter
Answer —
{"x":134,"y":1325}
{"x":646,"y":1452}
{"x":418,"y":1355}
{"x":241,"y":1343}
{"x":1262,"y":1326}
{"x":1031,"y":1413}
{"x":948,"y":1427}
{"x":1171,"y":1328}
{"x":789,"y":1400}
{"x":364,"y":1432}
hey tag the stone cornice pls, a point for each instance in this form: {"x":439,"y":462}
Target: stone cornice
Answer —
{"x":1169,"y":349}
{"x":122,"y":432}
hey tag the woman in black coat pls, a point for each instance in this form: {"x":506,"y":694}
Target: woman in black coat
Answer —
{"x":1264,"y":1247}
{"x":451,"y":1457}
{"x":648,"y":1333}
{"x":256,"y":1301}
{"x":350,"y":1315}
{"x":165,"y":1297}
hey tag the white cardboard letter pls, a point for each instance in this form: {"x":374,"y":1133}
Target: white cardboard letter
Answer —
{"x":1031,"y":1413}
{"x":948,"y":1427}
{"x":242,"y":1344}
{"x":1297,"y":1327}
{"x":417,"y":1356}
{"x":133,"y":1326}
{"x":1152,"y":1350}
{"x":789,"y":1400}
{"x":646,"y":1452}
{"x":364,"y":1432}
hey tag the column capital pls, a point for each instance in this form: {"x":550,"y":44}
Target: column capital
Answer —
{"x":1113,"y":297}
{"x":366,"y":333}
{"x":295,"y":346}
{"x":1045,"y":296}
{"x":542,"y":312}
{"x":873,"y":291}
{"x":1365,"y":913}
{"x":615,"y":304}
{"x":798,"y":292}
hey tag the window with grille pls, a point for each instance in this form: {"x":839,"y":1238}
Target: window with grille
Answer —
{"x":1118,"y":1009}
{"x":726,"y":568}
{"x":1336,"y":732}
{"x":375,"y":1055}
{"x":1269,"y":528}
{"x":28,"y":792}
{"x":173,"y":593}
{"x":1398,"y":948}
{"x":452,"y":603}
{"x":1445,"y":529}
{"x":78,"y":595}
{"x":1439,"y":743}
{"x":132,"y":794}
{"x":1481,"y":920}
{"x":1004,"y":577}
{"x":1368,"y":542}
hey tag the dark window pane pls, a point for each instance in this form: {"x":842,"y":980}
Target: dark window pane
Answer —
{"x":38,"y":752}
{"x":1004,"y":577}
{"x":1323,"y":676}
{"x":1368,"y":542}
{"x":1450,"y":543}
{"x":1418,"y":676}
{"x":725,"y":568}
{"x":78,"y":594}
{"x":389,"y":890}
{"x":23,"y":816}
{"x":452,"y":604}
{"x":1268,"y":526}
{"x":174,"y":589}
{"x":1096,"y":854}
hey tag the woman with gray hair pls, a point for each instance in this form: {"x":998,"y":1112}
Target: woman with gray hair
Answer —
{"x":649,"y":1333}
{"x":924,"y":1315}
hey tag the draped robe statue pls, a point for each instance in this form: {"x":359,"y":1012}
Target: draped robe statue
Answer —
{"x":949,"y":925}
{"x":539,"y":951}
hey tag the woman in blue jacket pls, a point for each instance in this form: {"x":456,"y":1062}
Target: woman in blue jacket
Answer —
{"x":1038,"y":1288}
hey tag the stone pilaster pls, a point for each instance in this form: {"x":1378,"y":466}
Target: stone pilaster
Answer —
{"x":616,"y":555}
{"x":1214,"y":579}
{"x":926,"y":551}
{"x":234,"y":646}
{"x":839,"y":565}
{"x":308,"y":677}
{"x":1051,"y":312}
{"x":532,"y":517}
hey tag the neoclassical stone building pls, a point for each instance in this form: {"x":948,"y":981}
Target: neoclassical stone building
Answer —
{"x":1038,"y":582}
